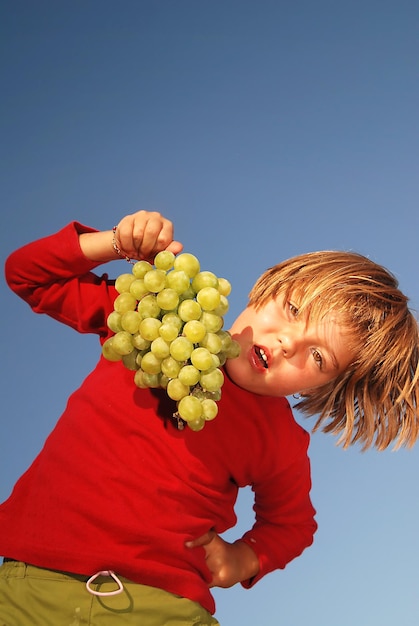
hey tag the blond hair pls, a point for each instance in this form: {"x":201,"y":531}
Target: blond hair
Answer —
{"x":375,"y":401}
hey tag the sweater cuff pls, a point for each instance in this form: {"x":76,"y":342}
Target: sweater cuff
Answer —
{"x":263,"y":568}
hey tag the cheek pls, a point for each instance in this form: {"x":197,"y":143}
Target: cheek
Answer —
{"x":245,"y":321}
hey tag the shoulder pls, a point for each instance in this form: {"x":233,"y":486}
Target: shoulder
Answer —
{"x":266,"y":423}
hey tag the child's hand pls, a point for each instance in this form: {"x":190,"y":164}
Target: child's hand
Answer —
{"x":145,"y":233}
{"x":138,"y":236}
{"x":229,"y":563}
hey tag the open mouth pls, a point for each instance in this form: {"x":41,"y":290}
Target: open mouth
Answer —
{"x":261,"y":356}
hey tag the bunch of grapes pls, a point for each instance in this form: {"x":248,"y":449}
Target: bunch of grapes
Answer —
{"x":168,"y":325}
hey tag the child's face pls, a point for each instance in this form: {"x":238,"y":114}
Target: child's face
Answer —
{"x":282,"y":354}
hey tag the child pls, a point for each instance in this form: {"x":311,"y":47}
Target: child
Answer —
{"x":118,"y":519}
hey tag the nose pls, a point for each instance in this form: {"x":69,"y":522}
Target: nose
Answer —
{"x":288,"y":343}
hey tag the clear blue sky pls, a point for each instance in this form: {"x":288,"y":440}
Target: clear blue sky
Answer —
{"x":262,"y":128}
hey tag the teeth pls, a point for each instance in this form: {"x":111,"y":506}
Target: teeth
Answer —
{"x":263,"y":356}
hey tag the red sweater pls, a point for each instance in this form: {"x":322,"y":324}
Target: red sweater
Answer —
{"x":117,"y":486}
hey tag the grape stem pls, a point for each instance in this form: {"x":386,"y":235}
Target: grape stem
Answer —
{"x":180,"y":423}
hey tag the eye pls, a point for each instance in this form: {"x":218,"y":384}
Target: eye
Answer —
{"x":317,"y":358}
{"x":292,"y":309}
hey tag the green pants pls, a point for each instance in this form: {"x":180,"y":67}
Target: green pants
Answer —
{"x":31,"y":596}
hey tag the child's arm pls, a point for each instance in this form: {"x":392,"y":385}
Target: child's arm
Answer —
{"x":284,"y":515}
{"x":54,"y":275}
{"x":229,"y":563}
{"x":137,"y":236}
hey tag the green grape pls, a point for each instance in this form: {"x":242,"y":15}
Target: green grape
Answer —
{"x":226,"y":339}
{"x":172,"y":318}
{"x":201,"y":358}
{"x":204,"y":279}
{"x":189,"y":310}
{"x":130,"y":321}
{"x":181,"y":349}
{"x":149,"y":328}
{"x":164,"y":260}
{"x":189,"y":294}
{"x":168,"y":320}
{"x":141,"y":268}
{"x":189,"y":408}
{"x":139,"y":357}
{"x":223,"y":307}
{"x":148,"y":307}
{"x":164,"y":380}
{"x":168,"y":332}
{"x":150,"y":363}
{"x":178,"y":280}
{"x":138,"y":288}
{"x":160,"y":348}
{"x":189,"y":375}
{"x":195,"y":331}
{"x":139,"y":379}
{"x":122,"y":343}
{"x":176,"y":389}
{"x":212,"y":322}
{"x":212,"y":380}
{"x":188,"y":263}
{"x":209,"y":409}
{"x":155,"y":280}
{"x":208,"y":298}
{"x":229,"y":346}
{"x":196,"y":425}
{"x":224,"y":287}
{"x":114,"y":321}
{"x":108,"y":352}
{"x":123,"y":282}
{"x":212,"y":343}
{"x":152,"y":380}
{"x":144,"y":380}
{"x":199,"y":393}
{"x":233,"y":350}
{"x":167,"y":299}
{"x":170,"y":367}
{"x":140,"y":343}
{"x":124,"y":302}
{"x":213,"y":395}
{"x":130,"y":360}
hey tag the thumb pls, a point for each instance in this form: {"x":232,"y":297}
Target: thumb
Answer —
{"x":175,"y":246}
{"x":203,"y":540}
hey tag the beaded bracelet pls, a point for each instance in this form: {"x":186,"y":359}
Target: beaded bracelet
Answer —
{"x":117,"y":248}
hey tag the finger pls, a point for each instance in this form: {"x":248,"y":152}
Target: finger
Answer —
{"x":150,"y":234}
{"x":175,"y":246}
{"x":143,"y":234}
{"x":153,"y":235}
{"x":204,"y":540}
{"x":125,"y":229}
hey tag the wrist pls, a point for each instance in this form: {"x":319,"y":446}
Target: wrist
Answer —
{"x":247,"y":559}
{"x":117,"y":246}
{"x":97,"y":246}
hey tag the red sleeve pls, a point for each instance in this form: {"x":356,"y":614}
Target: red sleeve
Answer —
{"x":285,"y":523}
{"x":54,"y":277}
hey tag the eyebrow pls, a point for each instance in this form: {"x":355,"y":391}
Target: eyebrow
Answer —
{"x":329,"y":351}
{"x":330,"y":356}
{"x":334,"y":360}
